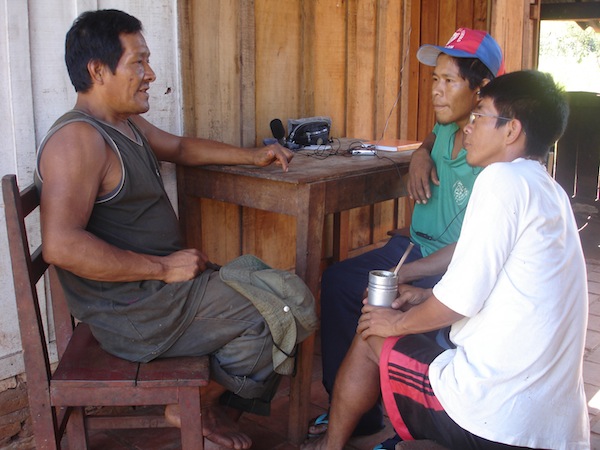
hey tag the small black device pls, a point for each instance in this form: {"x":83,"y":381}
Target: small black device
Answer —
{"x":309,"y":130}
{"x":279,"y":135}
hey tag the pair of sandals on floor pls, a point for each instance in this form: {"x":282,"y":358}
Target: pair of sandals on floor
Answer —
{"x":320,"y":424}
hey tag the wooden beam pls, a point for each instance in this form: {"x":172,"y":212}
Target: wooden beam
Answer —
{"x":247,"y":74}
{"x":570,"y":11}
{"x":188,"y":83}
{"x":509,"y":19}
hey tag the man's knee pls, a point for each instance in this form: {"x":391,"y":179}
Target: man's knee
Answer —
{"x":375,"y":345}
{"x":366,"y":349}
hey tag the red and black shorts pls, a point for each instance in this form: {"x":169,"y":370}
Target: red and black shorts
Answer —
{"x":410,"y":402}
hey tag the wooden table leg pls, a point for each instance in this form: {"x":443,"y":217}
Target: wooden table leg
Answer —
{"x":341,"y":232}
{"x":309,"y":237}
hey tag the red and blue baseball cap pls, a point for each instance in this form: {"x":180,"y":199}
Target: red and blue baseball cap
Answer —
{"x":467,"y":43}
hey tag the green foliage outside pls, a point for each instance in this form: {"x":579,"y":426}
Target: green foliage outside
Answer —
{"x":571,"y":55}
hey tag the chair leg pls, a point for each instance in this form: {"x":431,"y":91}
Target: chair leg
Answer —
{"x":45,"y":429}
{"x":191,"y":418}
{"x":76,"y":432}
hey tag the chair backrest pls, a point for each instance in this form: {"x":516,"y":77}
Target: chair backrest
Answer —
{"x":577,"y":160}
{"x":28,"y":266}
{"x":28,"y":269}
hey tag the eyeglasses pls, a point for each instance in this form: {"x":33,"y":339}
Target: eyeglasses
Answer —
{"x":474,"y":116}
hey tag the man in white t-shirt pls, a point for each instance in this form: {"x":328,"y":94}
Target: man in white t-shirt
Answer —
{"x":515,"y":295}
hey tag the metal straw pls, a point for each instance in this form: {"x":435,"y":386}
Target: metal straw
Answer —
{"x":406,"y":252}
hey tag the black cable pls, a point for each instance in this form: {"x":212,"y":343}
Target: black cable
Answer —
{"x":431,"y":238}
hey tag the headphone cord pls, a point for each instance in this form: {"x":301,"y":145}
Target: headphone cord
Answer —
{"x":431,"y":238}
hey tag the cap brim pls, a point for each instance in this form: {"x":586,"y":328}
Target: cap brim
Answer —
{"x":428,"y":54}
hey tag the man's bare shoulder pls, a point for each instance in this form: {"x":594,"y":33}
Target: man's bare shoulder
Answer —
{"x":75,"y":141}
{"x":77,"y":153}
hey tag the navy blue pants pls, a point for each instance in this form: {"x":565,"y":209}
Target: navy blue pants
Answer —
{"x":342,"y":289}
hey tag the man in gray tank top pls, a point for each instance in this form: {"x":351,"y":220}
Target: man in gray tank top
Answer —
{"x":109,"y":227}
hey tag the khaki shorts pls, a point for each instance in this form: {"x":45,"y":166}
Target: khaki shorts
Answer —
{"x":232,"y":331}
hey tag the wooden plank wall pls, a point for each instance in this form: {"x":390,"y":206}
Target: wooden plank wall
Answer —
{"x":246,"y":62}
{"x":516,"y":33}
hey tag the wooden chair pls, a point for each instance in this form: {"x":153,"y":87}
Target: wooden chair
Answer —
{"x":577,"y":159}
{"x":86,"y":375}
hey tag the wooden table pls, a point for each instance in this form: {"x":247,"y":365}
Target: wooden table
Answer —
{"x":312,"y":188}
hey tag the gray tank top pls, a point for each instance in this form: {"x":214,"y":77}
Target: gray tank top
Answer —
{"x":135,"y":320}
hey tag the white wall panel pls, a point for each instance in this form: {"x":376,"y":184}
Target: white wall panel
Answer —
{"x":35,"y":90}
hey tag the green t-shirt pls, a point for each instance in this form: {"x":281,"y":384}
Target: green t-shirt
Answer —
{"x":438,"y":222}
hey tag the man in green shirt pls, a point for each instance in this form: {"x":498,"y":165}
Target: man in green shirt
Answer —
{"x":440,"y":182}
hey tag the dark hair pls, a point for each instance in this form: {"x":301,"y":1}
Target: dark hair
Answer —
{"x":533,"y":98}
{"x":473,"y":70}
{"x":95,"y":36}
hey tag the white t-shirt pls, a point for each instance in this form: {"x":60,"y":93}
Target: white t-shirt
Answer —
{"x":518,"y":276}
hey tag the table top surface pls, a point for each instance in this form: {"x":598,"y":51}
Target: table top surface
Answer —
{"x":308,"y":166}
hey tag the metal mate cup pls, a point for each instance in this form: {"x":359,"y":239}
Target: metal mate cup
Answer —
{"x":383,"y":288}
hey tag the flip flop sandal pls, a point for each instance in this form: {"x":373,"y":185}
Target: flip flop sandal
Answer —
{"x":323,"y":419}
{"x":389,"y":444}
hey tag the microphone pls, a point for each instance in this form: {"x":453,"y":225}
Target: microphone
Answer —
{"x":278,"y":131}
{"x":279,"y":135}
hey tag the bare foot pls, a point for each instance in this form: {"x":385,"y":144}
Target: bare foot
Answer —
{"x":217,"y":426}
{"x":173,"y":416}
{"x":319,"y":443}
{"x":318,"y":425}
{"x":317,"y":430}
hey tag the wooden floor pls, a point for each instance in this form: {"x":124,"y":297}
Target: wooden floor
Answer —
{"x":269,"y":433}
